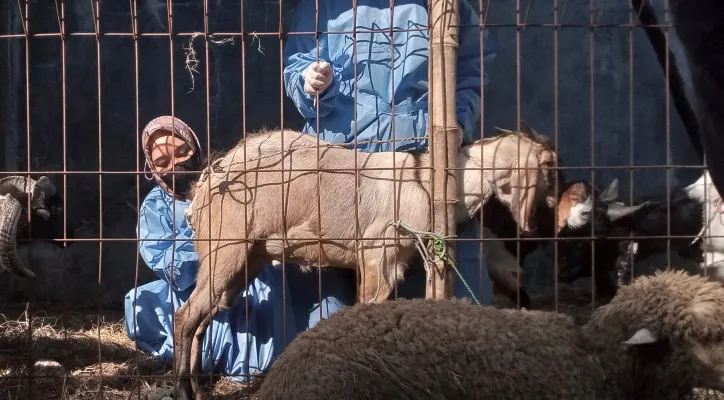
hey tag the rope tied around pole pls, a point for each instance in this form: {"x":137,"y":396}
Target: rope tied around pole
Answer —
{"x":439,"y":248}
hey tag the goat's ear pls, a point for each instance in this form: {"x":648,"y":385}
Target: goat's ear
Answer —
{"x":618,"y":211}
{"x":641,"y":336}
{"x":611,"y":192}
{"x":524,"y":183}
{"x":526,"y":129}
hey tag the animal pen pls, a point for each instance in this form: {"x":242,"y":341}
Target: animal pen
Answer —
{"x":610,"y":98}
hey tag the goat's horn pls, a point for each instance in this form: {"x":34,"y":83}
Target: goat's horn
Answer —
{"x":616,"y":212}
{"x":525,"y":128}
{"x":10,"y":210}
{"x":501,"y":130}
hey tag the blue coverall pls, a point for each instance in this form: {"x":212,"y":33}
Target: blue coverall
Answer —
{"x":238,"y":349}
{"x":375,"y":85}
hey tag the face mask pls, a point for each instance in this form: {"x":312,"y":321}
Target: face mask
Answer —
{"x":186,"y":174}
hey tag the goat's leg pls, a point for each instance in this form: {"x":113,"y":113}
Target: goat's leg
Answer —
{"x":225,"y":302}
{"x":227,"y":275}
{"x":503,"y":269}
{"x":374,"y":286}
{"x":186,"y":320}
{"x":379,"y":274}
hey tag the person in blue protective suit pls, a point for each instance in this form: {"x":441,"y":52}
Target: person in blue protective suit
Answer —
{"x":384,"y":95}
{"x":238,"y":344}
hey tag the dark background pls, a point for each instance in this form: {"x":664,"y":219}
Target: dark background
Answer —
{"x":604,"y":132}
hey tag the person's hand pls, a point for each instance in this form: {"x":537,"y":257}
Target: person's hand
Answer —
{"x":317,"y":77}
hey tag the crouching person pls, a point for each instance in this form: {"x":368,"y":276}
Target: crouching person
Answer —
{"x":237,"y":343}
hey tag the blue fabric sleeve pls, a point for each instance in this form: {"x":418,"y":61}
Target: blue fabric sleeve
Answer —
{"x":468,"y":69}
{"x":158,"y":251}
{"x":299,"y":52}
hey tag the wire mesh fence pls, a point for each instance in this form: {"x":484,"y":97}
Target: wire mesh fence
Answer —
{"x":601,"y":88}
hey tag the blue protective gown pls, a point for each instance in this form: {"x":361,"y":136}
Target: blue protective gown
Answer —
{"x":375,"y":84}
{"x":238,"y":348}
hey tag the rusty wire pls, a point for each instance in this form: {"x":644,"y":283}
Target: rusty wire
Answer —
{"x":522,"y":12}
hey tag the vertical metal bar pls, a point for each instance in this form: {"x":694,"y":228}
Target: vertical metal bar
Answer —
{"x":64,"y":121}
{"x":668,"y":134}
{"x":95,"y":6}
{"x":481,"y":245}
{"x":631,"y":82}
{"x":356,"y":160}
{"x":556,"y":121}
{"x":207,"y":68}
{"x":134,"y":26}
{"x":26,"y":29}
{"x":169,"y":18}
{"x":592,"y":94}
{"x":395,"y":200}
{"x":12,"y":136}
{"x":518,"y":27}
{"x":284,"y":193}
{"x":318,"y":172}
{"x":246,"y":209}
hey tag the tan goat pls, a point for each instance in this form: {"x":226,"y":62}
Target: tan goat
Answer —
{"x":247,"y":199}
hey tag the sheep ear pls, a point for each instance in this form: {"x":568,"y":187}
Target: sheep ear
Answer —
{"x":611,"y":192}
{"x":642,"y":336}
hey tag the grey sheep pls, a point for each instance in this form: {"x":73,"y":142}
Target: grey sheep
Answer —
{"x":658,"y":338}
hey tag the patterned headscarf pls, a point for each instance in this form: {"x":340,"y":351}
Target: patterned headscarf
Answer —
{"x":180,"y":130}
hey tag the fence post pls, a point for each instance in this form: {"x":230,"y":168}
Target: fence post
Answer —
{"x":443,"y":133}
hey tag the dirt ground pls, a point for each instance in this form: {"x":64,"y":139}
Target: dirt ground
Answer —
{"x":85,"y":354}
{"x":79,"y":355}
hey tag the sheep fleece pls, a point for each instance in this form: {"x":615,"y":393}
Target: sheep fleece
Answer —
{"x":443,"y":350}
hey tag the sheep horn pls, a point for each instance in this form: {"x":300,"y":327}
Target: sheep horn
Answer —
{"x":617,"y":211}
{"x":16,"y":185}
{"x":10,"y":210}
{"x":642,"y":336}
{"x":39,"y":191}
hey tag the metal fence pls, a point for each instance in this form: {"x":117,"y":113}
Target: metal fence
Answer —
{"x":82,"y":79}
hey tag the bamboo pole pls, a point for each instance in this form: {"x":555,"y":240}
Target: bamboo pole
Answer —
{"x":443,"y":133}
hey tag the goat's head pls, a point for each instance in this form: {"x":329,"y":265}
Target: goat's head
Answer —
{"x":522,"y":172}
{"x":44,"y":203}
{"x":581,"y":206}
{"x":576,"y":205}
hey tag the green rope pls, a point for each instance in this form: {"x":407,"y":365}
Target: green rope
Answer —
{"x":439,"y":248}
